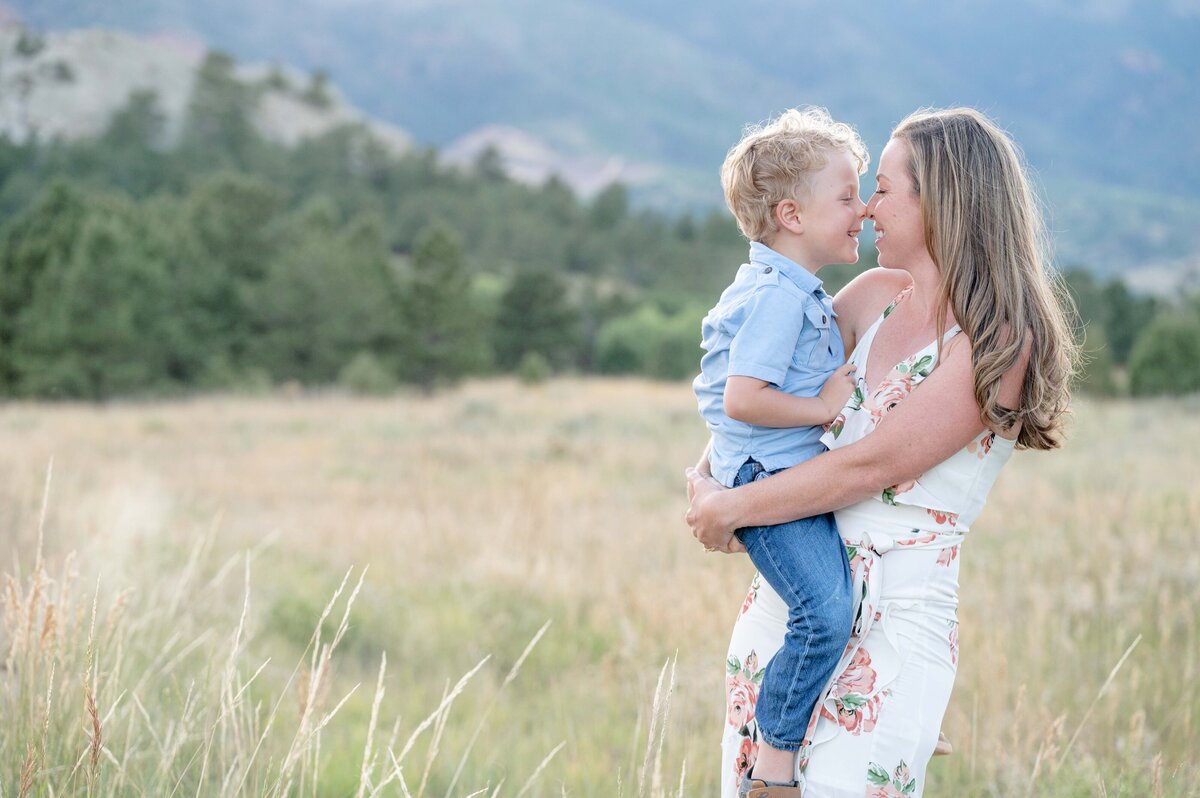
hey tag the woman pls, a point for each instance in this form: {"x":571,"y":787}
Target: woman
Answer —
{"x":963,"y":353}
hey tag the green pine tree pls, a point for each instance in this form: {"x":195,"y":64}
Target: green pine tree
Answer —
{"x":217,"y":130}
{"x":443,"y":337}
{"x":535,"y":316}
{"x":94,"y":326}
{"x":1166,"y":356}
{"x":40,"y":240}
{"x":328,"y":297}
{"x":227,"y":233}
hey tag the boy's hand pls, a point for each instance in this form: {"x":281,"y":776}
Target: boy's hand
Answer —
{"x":837,"y":390}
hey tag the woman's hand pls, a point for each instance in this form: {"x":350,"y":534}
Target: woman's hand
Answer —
{"x":706,"y":516}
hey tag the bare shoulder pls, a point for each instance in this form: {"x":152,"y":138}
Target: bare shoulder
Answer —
{"x":865,"y":297}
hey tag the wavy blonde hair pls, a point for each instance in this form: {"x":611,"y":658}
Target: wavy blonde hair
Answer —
{"x":776,"y":161}
{"x":984,"y":229}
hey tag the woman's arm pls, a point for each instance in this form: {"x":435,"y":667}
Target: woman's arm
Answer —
{"x":937,"y":419}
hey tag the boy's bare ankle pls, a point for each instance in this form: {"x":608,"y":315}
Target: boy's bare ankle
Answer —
{"x":774,"y":765}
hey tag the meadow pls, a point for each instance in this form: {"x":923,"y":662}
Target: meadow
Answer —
{"x":491,"y":591}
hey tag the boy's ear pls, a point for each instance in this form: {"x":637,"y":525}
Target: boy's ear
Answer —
{"x":788,"y":216}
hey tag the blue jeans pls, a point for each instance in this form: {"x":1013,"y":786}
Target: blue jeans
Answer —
{"x":805,"y":562}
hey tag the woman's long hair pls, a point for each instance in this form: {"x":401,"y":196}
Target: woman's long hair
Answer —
{"x":984,"y":229}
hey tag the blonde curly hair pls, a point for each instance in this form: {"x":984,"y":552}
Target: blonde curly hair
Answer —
{"x":775,"y":161}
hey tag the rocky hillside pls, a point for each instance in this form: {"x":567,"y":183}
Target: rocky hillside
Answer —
{"x":68,"y":85}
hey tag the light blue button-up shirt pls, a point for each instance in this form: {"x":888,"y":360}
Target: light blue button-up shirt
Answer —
{"x":776,"y":324}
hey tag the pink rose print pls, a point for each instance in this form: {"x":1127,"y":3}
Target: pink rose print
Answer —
{"x":953,"y":638}
{"x":886,"y":791}
{"x":855,"y":712}
{"x":888,"y":395}
{"x":943,"y":517}
{"x":751,"y":665}
{"x":750,"y":596}
{"x":982,"y":446}
{"x":741,"y":696}
{"x":929,"y":537}
{"x":899,"y":784}
{"x":859,"y":676}
{"x":890,"y":494}
{"x":745,"y":758}
{"x":861,"y":718}
{"x":948,"y":555}
{"x":837,"y":426}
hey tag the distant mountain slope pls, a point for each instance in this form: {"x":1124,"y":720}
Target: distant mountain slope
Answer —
{"x":68,"y":85}
{"x":1103,"y":95}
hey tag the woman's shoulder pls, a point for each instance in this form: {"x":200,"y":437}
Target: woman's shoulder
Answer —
{"x":866,"y":296}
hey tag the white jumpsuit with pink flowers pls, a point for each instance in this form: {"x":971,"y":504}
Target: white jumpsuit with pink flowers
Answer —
{"x":875,"y":728}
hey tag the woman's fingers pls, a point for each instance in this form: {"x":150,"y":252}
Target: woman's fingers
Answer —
{"x":700,"y":516}
{"x":734,"y":546}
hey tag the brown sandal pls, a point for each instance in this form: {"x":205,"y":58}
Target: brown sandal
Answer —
{"x":760,"y":789}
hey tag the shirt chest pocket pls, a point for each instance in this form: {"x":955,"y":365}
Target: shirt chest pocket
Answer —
{"x":817,"y":349}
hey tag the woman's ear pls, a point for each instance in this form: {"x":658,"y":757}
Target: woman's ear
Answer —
{"x":788,"y":216}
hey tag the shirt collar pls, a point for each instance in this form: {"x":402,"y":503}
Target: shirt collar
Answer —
{"x":761,"y":255}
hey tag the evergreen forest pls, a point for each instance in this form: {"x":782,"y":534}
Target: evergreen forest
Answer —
{"x":226,"y":262}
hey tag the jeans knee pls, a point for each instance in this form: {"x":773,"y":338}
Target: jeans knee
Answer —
{"x":830,"y":623}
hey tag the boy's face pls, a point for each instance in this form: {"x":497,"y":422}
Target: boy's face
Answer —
{"x":832,"y":217}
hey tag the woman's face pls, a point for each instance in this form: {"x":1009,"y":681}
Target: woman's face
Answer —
{"x":895,"y":209}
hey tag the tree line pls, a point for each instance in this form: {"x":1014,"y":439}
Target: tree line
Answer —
{"x":227,"y":262}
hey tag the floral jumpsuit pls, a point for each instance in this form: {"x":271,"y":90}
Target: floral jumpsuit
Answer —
{"x":876,"y":725}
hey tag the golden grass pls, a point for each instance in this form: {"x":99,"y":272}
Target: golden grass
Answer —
{"x":214,"y":531}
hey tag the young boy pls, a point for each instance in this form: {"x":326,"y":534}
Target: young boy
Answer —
{"x":772,"y":375}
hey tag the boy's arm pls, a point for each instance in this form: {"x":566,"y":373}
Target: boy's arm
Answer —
{"x":756,"y":402}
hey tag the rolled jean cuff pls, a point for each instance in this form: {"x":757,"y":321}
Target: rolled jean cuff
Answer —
{"x":777,"y":744}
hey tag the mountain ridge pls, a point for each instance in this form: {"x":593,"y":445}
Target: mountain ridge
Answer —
{"x":1102,"y":95}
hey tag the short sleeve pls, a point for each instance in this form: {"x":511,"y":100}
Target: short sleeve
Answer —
{"x":765,"y":342}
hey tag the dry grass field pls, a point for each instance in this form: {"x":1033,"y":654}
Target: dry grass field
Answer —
{"x":164,"y":645}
